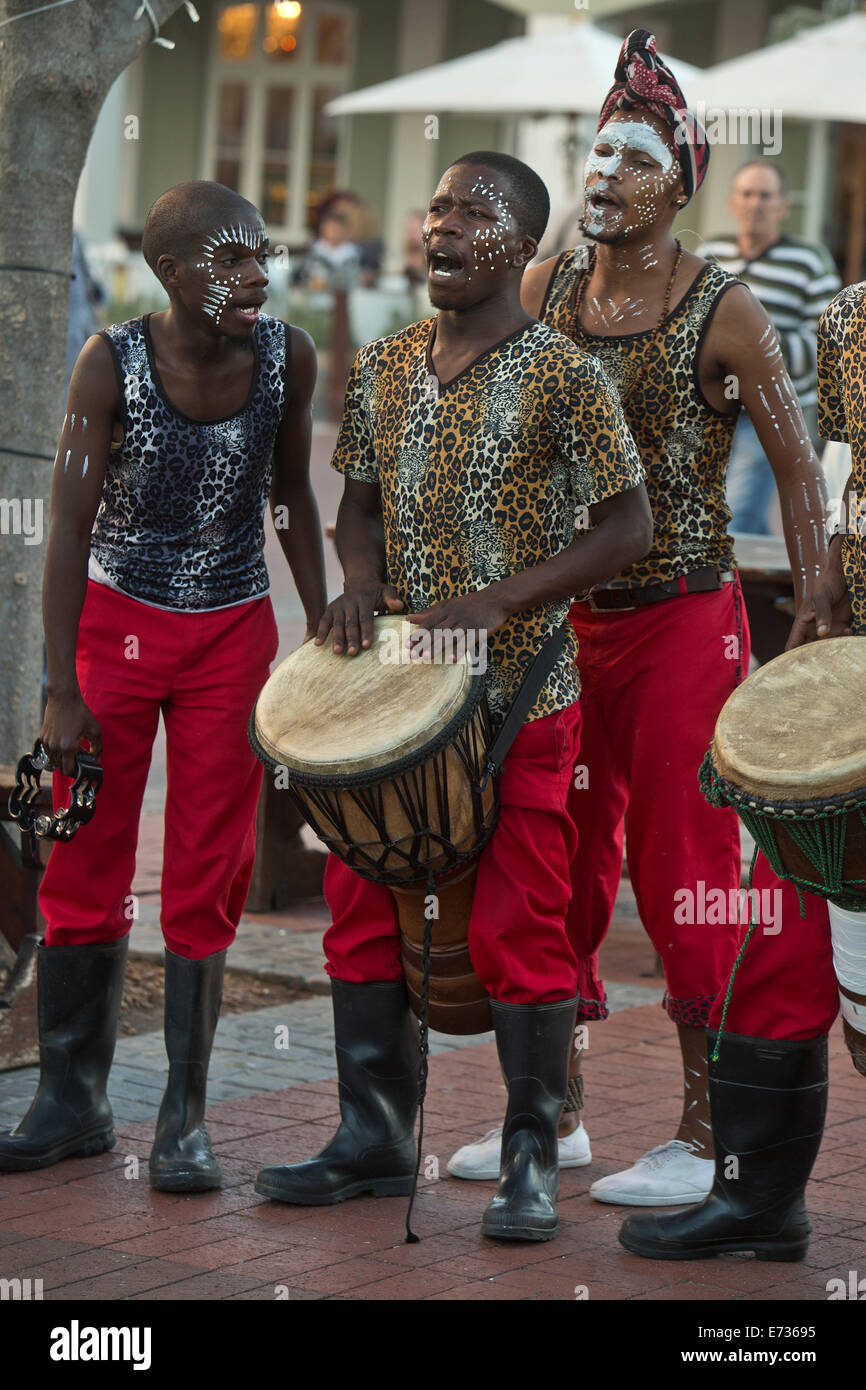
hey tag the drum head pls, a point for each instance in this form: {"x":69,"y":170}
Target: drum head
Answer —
{"x":330,"y":718}
{"x":796,"y":729}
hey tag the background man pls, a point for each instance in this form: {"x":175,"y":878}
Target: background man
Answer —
{"x":794,"y":280}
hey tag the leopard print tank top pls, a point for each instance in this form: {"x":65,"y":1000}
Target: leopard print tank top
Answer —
{"x":683,"y":441}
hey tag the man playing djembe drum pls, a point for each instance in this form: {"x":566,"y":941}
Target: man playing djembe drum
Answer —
{"x":769,"y":1093}
{"x":474,"y":440}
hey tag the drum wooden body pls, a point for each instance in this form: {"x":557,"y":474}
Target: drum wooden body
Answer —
{"x":387,"y":761}
{"x":789,"y":754}
{"x":458,"y":1002}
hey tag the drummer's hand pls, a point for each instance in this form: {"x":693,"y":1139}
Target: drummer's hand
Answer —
{"x":67,"y":722}
{"x":481,"y":614}
{"x":827,"y":610}
{"x":351,"y":616}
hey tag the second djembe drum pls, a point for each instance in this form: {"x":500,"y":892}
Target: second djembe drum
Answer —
{"x":789,"y":755}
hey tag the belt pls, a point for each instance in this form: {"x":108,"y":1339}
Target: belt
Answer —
{"x":699,"y":581}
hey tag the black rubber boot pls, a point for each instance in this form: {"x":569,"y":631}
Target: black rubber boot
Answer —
{"x":182,"y":1159}
{"x":79,"y":991}
{"x":768,"y":1099}
{"x":376,"y":1039}
{"x":534,"y":1044}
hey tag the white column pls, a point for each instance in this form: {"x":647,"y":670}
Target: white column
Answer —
{"x":817,"y":175}
{"x":97,"y":212}
{"x":414,"y":158}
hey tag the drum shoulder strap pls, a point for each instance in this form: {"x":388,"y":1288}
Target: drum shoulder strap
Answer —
{"x":527,"y":694}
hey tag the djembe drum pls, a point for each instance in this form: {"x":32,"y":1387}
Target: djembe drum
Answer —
{"x":387,"y":760}
{"x":789,"y":755}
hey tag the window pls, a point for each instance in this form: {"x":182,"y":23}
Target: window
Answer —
{"x":275,"y":67}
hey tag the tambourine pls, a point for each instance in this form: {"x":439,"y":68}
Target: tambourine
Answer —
{"x":63,"y":824}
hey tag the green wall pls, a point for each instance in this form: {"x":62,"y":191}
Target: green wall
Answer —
{"x":173,"y":105}
{"x":377,"y":34}
{"x":474,"y":24}
{"x":175,"y":91}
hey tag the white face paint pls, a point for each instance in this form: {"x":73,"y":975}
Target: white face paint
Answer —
{"x":627,"y":135}
{"x":221,"y":252}
{"x":623,"y":148}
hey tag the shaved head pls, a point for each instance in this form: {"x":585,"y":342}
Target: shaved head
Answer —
{"x":183,"y":216}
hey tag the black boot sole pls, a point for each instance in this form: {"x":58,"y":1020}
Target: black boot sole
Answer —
{"x":777,"y":1251}
{"x":509,"y":1231}
{"x":184,"y":1182}
{"x":374,"y":1187}
{"x":80,"y":1147}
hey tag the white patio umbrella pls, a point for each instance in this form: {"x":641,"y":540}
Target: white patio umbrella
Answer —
{"x":817,"y":75}
{"x":566,"y":72}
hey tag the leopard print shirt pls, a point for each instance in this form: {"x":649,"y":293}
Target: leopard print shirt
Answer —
{"x":486,"y":475}
{"x":841,"y":415}
{"x":684,"y":442}
{"x":181,"y":520}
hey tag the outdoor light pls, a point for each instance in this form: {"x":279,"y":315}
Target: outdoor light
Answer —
{"x":287,"y":9}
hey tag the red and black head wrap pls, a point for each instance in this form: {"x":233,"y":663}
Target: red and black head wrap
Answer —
{"x":642,"y":79}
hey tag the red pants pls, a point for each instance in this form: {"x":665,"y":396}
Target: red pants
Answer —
{"x":785,"y":985}
{"x":653,"y":682}
{"x":204,"y":671}
{"x":517,"y":939}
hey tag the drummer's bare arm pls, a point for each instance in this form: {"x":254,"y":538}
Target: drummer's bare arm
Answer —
{"x":742,"y":359}
{"x":620,"y":534}
{"x":827,"y":613}
{"x":360,"y":541}
{"x":293,"y":502}
{"x":92,"y":410}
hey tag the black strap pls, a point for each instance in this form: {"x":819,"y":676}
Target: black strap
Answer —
{"x":530,"y":688}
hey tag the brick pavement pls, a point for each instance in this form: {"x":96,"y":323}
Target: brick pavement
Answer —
{"x":91,"y":1229}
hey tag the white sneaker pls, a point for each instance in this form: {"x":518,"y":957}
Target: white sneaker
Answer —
{"x":666,"y":1176}
{"x":481,"y":1159}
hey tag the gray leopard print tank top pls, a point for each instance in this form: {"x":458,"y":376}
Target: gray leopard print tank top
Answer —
{"x":181,"y":521}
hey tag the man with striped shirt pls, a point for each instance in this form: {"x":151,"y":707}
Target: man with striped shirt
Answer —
{"x":794,"y":280}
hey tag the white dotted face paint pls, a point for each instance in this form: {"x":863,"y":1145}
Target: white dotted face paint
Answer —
{"x":629,"y":167}
{"x":470,"y":228}
{"x":221,"y":252}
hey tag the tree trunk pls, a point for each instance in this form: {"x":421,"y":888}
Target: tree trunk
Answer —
{"x":56,"y":69}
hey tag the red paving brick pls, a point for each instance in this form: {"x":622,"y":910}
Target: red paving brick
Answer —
{"x":91,"y":1234}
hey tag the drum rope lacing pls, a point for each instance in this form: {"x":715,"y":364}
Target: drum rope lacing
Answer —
{"x":818,"y":829}
{"x":424,"y":1051}
{"x":714,"y":1055}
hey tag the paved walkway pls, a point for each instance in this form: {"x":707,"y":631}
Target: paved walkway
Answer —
{"x":91,"y":1229}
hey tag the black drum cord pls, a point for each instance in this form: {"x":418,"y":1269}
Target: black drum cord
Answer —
{"x":424,"y":1050}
